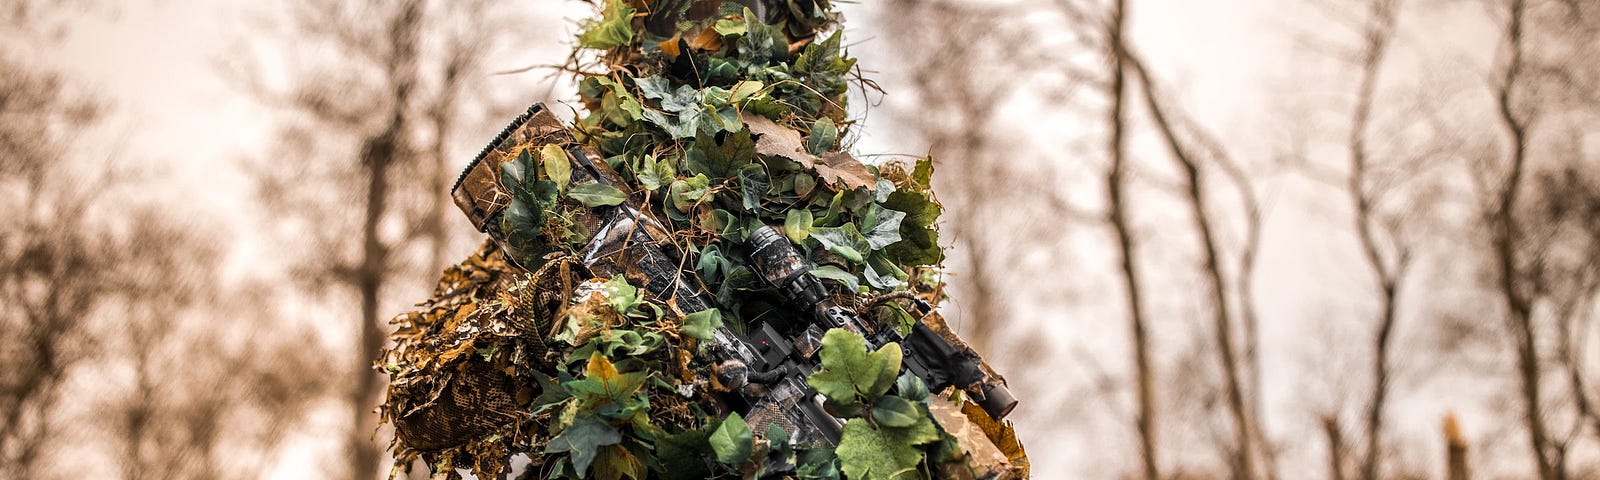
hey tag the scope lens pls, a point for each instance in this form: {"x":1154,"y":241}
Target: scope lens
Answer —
{"x":998,"y":402}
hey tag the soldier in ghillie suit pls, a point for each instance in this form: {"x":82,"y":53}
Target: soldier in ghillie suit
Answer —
{"x":696,"y":281}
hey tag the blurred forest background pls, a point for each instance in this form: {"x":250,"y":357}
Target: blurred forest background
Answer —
{"x":1298,"y":239}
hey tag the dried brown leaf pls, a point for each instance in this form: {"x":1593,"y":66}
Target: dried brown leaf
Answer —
{"x":841,"y":170}
{"x":774,"y":140}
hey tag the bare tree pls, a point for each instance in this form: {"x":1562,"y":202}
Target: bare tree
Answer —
{"x":1505,"y":236}
{"x":54,"y":257}
{"x":1116,"y":146}
{"x":1245,"y":446}
{"x":1388,"y":263}
{"x":386,"y":110}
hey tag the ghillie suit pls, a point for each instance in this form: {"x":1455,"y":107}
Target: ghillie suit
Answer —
{"x":638,"y":312}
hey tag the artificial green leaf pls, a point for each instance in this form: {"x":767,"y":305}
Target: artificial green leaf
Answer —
{"x":723,"y":159}
{"x":615,"y":462}
{"x":722,"y":222}
{"x":797,"y":224}
{"x":922,"y":173}
{"x":684,"y":193}
{"x":556,"y":166}
{"x":602,"y":384}
{"x":614,"y":29}
{"x":886,"y":231}
{"x":682,"y":455}
{"x":514,"y":172}
{"x":731,"y":26}
{"x":702,"y":324}
{"x":819,"y":56}
{"x":804,"y":184}
{"x":745,"y":89}
{"x":653,"y":174}
{"x":622,"y":296}
{"x":830,"y":272}
{"x":882,"y":273}
{"x":844,"y":241}
{"x":919,"y":243}
{"x":823,"y":136}
{"x":893,"y":411}
{"x":868,"y":453}
{"x":583,"y":439}
{"x":550,"y":393}
{"x":655,"y":87}
{"x":753,"y":185}
{"x":597,"y":194}
{"x":849,"y":372}
{"x":817,"y":464}
{"x":733,"y":441}
{"x":912,"y":388}
{"x":761,"y":42}
{"x":712,"y":263}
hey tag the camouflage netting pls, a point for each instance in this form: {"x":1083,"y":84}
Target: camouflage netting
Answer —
{"x":707,"y":121}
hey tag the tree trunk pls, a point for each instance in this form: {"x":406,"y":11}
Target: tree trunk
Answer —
{"x":1505,"y":232}
{"x":1455,"y":450}
{"x":1335,"y":438}
{"x":1119,"y":222}
{"x":1221,"y":316}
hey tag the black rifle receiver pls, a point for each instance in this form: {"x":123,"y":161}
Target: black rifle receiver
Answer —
{"x":927,"y":355}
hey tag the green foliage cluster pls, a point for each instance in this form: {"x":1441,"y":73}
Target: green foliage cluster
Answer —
{"x":720,"y":123}
{"x":725,"y":124}
{"x":731,"y":123}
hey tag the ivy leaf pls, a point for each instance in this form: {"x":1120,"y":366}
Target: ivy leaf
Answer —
{"x":602,"y":384}
{"x":583,"y":440}
{"x":866,"y":452}
{"x":723,"y":159}
{"x":883,"y":274}
{"x":887,"y":230}
{"x":684,"y":193}
{"x":830,"y":272}
{"x":514,"y":172}
{"x":597,"y":194}
{"x":824,"y":135}
{"x":702,"y":324}
{"x":844,"y":241}
{"x":753,"y":185}
{"x":614,"y":29}
{"x":804,"y":184}
{"x":919,"y":243}
{"x":850,"y":373}
{"x":893,"y":411}
{"x":654,"y":87}
{"x":653,"y":174}
{"x":556,"y":165}
{"x":797,"y":224}
{"x":922,"y":173}
{"x":733,"y":441}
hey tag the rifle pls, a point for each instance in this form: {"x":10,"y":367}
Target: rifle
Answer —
{"x":764,"y":370}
